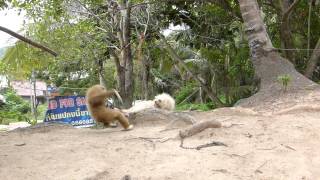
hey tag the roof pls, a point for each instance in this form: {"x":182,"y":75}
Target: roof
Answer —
{"x":23,"y":88}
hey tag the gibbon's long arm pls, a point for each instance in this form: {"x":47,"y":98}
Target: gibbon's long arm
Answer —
{"x":118,"y":96}
{"x":24,"y":39}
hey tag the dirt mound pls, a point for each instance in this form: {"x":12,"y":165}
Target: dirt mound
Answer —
{"x":43,"y":128}
{"x":274,"y":102}
{"x":159,"y":117}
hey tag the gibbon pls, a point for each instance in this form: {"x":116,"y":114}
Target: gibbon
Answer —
{"x":96,"y":97}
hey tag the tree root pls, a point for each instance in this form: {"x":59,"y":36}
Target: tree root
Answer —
{"x":213,"y":143}
{"x":199,"y":127}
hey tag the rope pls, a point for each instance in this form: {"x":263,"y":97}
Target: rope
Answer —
{"x":293,"y":49}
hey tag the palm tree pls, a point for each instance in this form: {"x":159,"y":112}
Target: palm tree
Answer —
{"x":268,"y":63}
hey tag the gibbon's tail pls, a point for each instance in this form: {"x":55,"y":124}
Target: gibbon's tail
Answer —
{"x":118,"y":96}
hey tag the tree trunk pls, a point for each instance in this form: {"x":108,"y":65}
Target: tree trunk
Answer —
{"x":145,"y":78}
{"x":102,"y":80}
{"x":285,"y":30}
{"x":312,"y":64}
{"x":33,"y":95}
{"x":286,"y":41}
{"x":120,"y":74}
{"x":127,"y":56}
{"x":123,"y":57}
{"x":269,"y":65}
{"x":144,"y":64}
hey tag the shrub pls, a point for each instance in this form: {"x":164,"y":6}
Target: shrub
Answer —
{"x":15,"y":109}
{"x":184,"y":92}
{"x":284,"y":80}
{"x":190,"y":106}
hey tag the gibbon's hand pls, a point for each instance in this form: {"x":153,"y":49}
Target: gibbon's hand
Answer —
{"x":118,"y":95}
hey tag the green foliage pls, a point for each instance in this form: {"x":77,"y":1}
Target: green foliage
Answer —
{"x":32,"y":122}
{"x":230,"y":72}
{"x":212,"y":45}
{"x":284,"y":80}
{"x":15,"y":109}
{"x":41,"y":110}
{"x":19,"y":62}
{"x":15,"y":102}
{"x":184,"y":92}
{"x":195,"y":106}
{"x":164,"y":81}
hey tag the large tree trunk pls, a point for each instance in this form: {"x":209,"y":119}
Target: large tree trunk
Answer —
{"x":144,"y":63}
{"x":120,"y":74}
{"x":123,"y":57}
{"x":127,"y":56}
{"x":269,"y":65}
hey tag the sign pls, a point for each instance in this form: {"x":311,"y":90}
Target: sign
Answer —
{"x":52,"y":91}
{"x":69,"y":109}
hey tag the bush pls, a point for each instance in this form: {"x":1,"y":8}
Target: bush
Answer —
{"x":184,"y":92}
{"x":15,"y":109}
{"x":42,"y":109}
{"x":284,"y":80}
{"x":190,"y":106}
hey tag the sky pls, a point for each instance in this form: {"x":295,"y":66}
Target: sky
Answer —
{"x":173,"y":28}
{"x":11,"y":20}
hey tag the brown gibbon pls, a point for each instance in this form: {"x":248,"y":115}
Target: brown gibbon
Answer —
{"x":96,"y":97}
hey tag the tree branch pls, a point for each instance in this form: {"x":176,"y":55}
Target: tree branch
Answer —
{"x":199,"y":127}
{"x":116,"y":61}
{"x":287,"y":13}
{"x":224,"y":4}
{"x":26,"y":40}
{"x":312,"y":63}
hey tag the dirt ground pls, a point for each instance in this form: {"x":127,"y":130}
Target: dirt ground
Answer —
{"x":259,"y":147}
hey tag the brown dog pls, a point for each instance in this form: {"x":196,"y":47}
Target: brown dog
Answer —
{"x":96,"y":97}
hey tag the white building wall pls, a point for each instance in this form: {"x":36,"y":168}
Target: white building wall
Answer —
{"x":3,"y":82}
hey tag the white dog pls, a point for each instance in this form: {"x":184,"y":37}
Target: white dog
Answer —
{"x":164,"y":101}
{"x":161,"y":101}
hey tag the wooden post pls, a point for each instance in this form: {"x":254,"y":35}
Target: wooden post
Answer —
{"x":33,"y":95}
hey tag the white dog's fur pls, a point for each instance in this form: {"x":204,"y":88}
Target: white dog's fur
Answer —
{"x":161,"y":101}
{"x":139,"y":105}
{"x":164,"y":101}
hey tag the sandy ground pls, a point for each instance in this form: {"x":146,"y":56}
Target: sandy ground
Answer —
{"x":259,"y":147}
